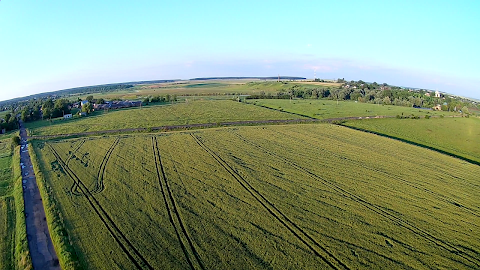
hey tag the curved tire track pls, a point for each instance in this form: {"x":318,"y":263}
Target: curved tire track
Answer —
{"x":132,"y":253}
{"x":99,"y":186}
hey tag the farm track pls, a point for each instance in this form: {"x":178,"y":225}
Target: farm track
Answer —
{"x":474,"y":259}
{"x":298,"y":232}
{"x":205,"y":125}
{"x":79,"y":145}
{"x":409,"y":183}
{"x":132,"y":253}
{"x":74,"y":187}
{"x":174,"y":214}
{"x":99,"y":186}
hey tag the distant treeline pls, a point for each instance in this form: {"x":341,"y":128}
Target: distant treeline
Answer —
{"x":239,"y":78}
{"x":85,"y":90}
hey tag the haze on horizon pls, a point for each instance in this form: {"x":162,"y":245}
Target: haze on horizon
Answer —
{"x":53,"y":45}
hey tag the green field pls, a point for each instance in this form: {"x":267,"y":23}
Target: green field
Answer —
{"x":218,"y":88}
{"x":281,"y":197}
{"x":459,"y":136}
{"x":194,"y":112}
{"x":13,"y":241}
{"x":325,"y":109}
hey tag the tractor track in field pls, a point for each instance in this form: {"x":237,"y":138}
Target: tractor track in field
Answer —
{"x":74,"y":188}
{"x":70,"y":157}
{"x":136,"y":258}
{"x":375,"y":208}
{"x":298,"y":232}
{"x":409,"y":183}
{"x":99,"y":186}
{"x":173,"y":213}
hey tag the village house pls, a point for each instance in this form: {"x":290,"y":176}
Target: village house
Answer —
{"x":67,"y":116}
{"x":437,"y":94}
{"x":437,"y":107}
{"x":117,"y":105}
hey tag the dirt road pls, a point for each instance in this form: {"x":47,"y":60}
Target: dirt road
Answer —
{"x":39,"y":241}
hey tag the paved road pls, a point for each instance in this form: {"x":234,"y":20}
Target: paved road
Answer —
{"x":39,"y":241}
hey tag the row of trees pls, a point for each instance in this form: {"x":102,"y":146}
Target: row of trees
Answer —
{"x":157,"y":99}
{"x":367,"y":93}
{"x":9,"y":122}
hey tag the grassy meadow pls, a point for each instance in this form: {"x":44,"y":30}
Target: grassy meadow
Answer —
{"x":192,"y":112}
{"x":268,"y":197}
{"x":324,"y":109}
{"x":459,"y":136}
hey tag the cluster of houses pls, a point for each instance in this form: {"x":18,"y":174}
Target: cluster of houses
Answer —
{"x":107,"y":106}
{"x":117,"y":105}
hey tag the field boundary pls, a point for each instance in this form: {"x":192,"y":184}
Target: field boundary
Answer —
{"x":474,"y":162}
{"x":303,"y":236}
{"x":409,"y":183}
{"x":203,"y":126}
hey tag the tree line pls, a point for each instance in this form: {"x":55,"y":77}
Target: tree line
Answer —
{"x":375,"y":93}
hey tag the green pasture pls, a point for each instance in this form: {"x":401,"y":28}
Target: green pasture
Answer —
{"x":325,"y":109}
{"x":459,"y":136}
{"x":191,"y":112}
{"x":263,"y":197}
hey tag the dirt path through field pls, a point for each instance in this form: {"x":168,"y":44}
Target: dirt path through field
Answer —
{"x":39,"y":241}
{"x":203,"y":125}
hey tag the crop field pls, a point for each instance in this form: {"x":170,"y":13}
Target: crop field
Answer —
{"x":218,"y":88}
{"x":196,"y":112}
{"x":324,"y":109}
{"x":271,"y":197}
{"x":460,"y":136}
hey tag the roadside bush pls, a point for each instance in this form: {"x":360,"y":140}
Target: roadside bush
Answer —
{"x":427,"y":116}
{"x":15,"y":140}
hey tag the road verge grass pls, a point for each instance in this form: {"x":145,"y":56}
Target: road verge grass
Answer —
{"x":61,"y":241}
{"x":22,"y":254}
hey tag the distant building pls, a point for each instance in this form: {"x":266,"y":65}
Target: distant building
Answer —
{"x":117,"y":105}
{"x":437,"y":107}
{"x":437,"y":94}
{"x":82,"y":113}
{"x":83,"y":102}
{"x":67,"y":116}
{"x":427,"y":94}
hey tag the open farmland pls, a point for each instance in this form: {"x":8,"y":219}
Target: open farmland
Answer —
{"x":325,"y":109}
{"x":196,"y":112}
{"x":220,"y":89}
{"x":458,"y":136}
{"x":282,"y":197}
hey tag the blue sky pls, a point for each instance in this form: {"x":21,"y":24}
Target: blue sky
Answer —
{"x":53,"y":45}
